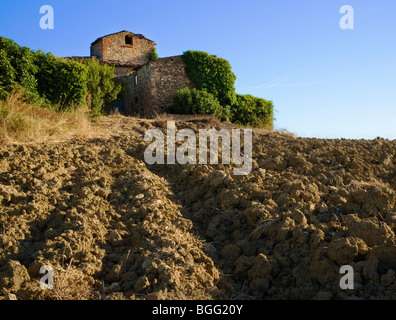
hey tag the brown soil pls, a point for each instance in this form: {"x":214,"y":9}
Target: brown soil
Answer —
{"x":113,"y":227}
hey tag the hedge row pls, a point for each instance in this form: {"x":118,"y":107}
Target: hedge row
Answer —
{"x":54,"y":81}
{"x":215,"y":93}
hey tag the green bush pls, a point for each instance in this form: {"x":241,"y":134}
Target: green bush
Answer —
{"x":211,"y":74}
{"x":249,"y":110}
{"x":62,"y":83}
{"x":40,"y":75}
{"x":17,"y":69}
{"x":7,"y":75}
{"x":55,"y":81}
{"x":102,"y":86}
{"x":152,"y":55}
{"x":193,"y":101}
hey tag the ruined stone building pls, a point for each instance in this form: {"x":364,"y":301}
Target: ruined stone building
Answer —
{"x":150,"y":84}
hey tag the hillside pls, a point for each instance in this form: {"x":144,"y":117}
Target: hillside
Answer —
{"x":113,"y":227}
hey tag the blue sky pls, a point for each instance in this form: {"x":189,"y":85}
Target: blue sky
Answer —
{"x":325,"y":82}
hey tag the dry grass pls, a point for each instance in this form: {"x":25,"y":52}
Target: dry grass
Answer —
{"x":25,"y":123}
{"x":71,"y":284}
{"x":22,"y":122}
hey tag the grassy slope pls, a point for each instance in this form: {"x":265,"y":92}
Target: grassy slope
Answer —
{"x":21,"y":122}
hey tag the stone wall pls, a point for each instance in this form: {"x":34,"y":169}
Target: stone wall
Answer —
{"x":97,"y":50}
{"x":150,"y":85}
{"x":121,"y":71}
{"x":113,"y":47}
{"x":157,"y":82}
{"x":167,"y":76}
{"x":138,"y":97}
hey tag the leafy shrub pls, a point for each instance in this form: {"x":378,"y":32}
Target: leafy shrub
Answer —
{"x":17,"y":69}
{"x":60,"y":82}
{"x":211,"y":74}
{"x":249,"y":110}
{"x":7,"y":75}
{"x":56,"y":81}
{"x":40,"y":75}
{"x":102,"y":86}
{"x":193,"y":101}
{"x":152,"y":55}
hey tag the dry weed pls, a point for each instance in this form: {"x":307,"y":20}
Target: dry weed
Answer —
{"x":23,"y":122}
{"x":71,"y":284}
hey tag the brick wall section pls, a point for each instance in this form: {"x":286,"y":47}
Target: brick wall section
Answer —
{"x":113,"y":47}
{"x":157,"y":83}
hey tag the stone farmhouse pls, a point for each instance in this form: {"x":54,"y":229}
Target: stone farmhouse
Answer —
{"x":150,"y":84}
